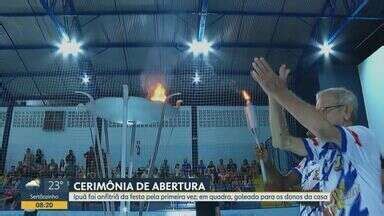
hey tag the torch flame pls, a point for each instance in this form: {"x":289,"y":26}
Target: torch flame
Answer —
{"x":246,"y":96}
{"x":158,"y":93}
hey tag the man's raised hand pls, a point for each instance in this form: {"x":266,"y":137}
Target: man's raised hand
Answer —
{"x":284,"y":72}
{"x":263,"y":74}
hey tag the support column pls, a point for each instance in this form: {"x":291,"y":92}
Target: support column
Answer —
{"x":6,"y":134}
{"x":195,"y":154}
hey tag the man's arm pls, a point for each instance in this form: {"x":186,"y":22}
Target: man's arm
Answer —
{"x":281,"y":138}
{"x":303,"y":112}
{"x":308,"y":116}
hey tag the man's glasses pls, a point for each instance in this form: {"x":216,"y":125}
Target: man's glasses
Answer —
{"x":329,"y":108}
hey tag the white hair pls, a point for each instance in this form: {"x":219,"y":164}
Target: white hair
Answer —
{"x":342,"y":96}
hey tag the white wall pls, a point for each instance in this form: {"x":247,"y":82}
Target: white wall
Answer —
{"x":175,"y":142}
{"x":223,"y":133}
{"x":371,"y":73}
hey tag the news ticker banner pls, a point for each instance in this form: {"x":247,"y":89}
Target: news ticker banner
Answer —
{"x":199,"y":196}
{"x":56,"y":193}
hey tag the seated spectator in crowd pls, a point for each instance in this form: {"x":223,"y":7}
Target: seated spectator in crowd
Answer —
{"x":164,"y":169}
{"x":70,"y":171}
{"x":254,"y":169}
{"x":80,"y":172}
{"x":231,"y":175}
{"x":19,"y":168}
{"x":70,"y":159}
{"x":148,"y":165}
{"x":222,"y":176}
{"x":61,"y":168}
{"x":139,"y":172}
{"x":28,"y":158}
{"x":245,"y":168}
{"x":212,"y":172}
{"x":126,"y":171}
{"x":177,"y":171}
{"x":201,"y":168}
{"x":155,"y":173}
{"x":53,"y":169}
{"x":12,"y":171}
{"x":145,"y":174}
{"x":246,"y":183}
{"x":116,"y":173}
{"x":235,"y":185}
{"x":221,"y":166}
{"x":231,"y":166}
{"x":186,"y":168}
{"x":90,"y":163}
{"x":118,"y":168}
{"x":3,"y":180}
{"x":211,"y":169}
{"x":39,"y":156}
{"x":43,"y":170}
{"x":11,"y":193}
{"x":34,"y":170}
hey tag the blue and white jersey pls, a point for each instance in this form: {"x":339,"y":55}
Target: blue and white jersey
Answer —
{"x":351,"y":173}
{"x":309,"y":171}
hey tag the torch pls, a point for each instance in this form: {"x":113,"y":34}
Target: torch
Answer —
{"x":252,"y":126}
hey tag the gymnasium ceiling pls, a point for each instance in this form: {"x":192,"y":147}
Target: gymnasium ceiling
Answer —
{"x":131,"y":38}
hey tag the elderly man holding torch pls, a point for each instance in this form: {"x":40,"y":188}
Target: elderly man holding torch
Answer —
{"x":357,"y":189}
{"x":303,"y":177}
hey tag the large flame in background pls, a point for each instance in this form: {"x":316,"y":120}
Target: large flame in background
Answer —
{"x":246,"y":96}
{"x":158,"y":93}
